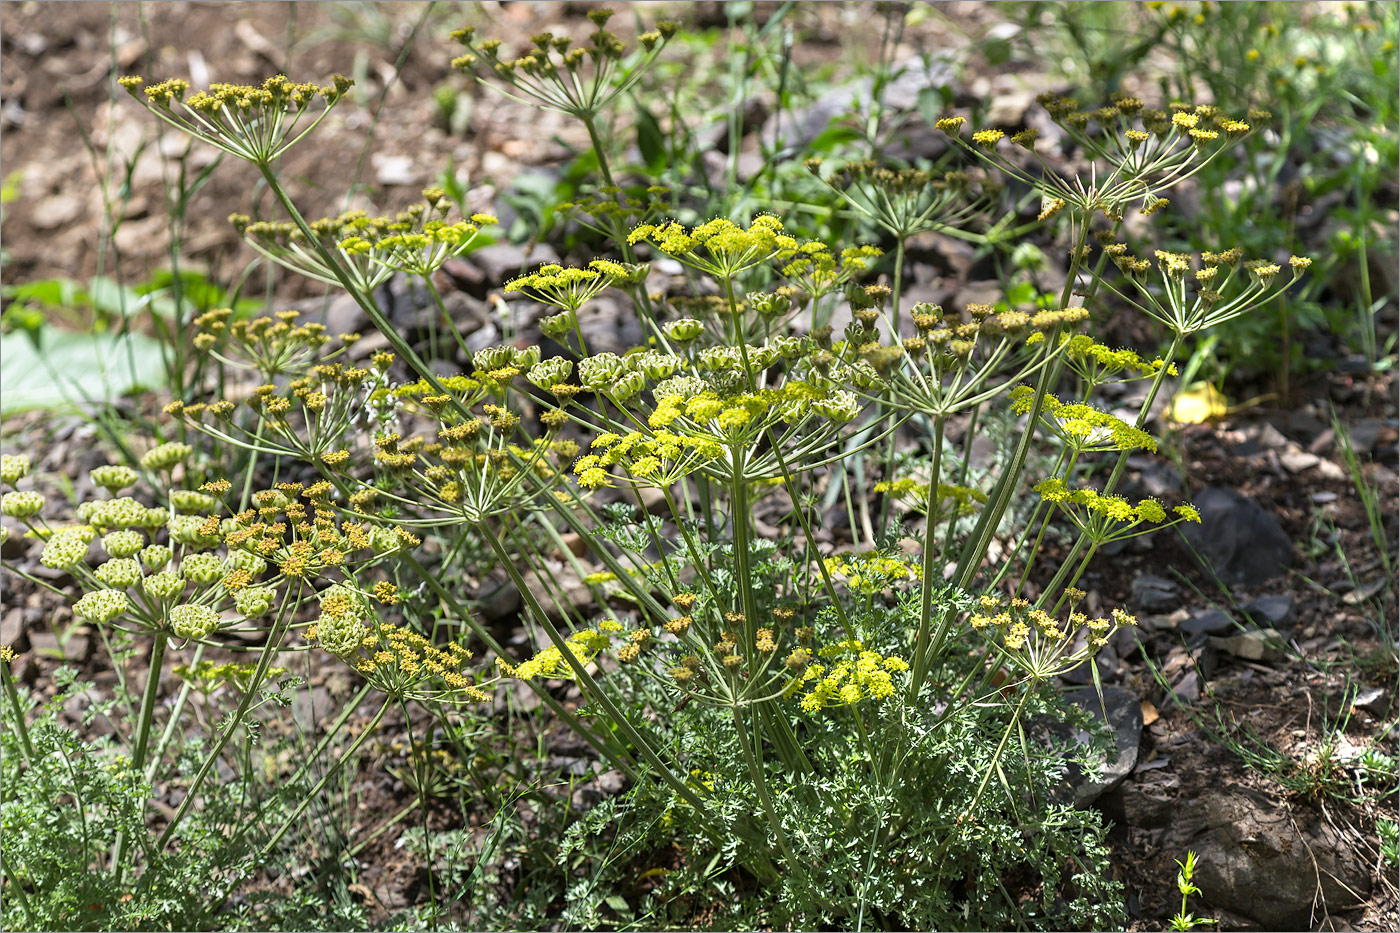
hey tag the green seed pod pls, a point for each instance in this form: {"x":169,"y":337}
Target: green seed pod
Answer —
{"x":155,"y":556}
{"x":549,"y":373}
{"x":21,"y":504}
{"x":598,"y":373}
{"x":769,"y":304}
{"x":119,"y":573}
{"x":124,"y":543}
{"x":656,"y":366}
{"x":526,"y":358}
{"x":165,"y":585}
{"x":125,"y":512}
{"x":101,"y":606}
{"x":114,"y":477}
{"x":165,"y":456}
{"x":193,"y":621}
{"x":491,"y":358}
{"x":64,"y":551}
{"x":246,"y":560}
{"x":186,"y":529}
{"x":202,"y":569}
{"x":557,"y":325}
{"x":189,"y":502}
{"x":253,"y":602}
{"x":628,"y":385}
{"x":684,"y":330}
{"x":13,"y":468}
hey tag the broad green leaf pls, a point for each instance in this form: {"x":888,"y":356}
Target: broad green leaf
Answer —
{"x":651,"y":142}
{"x":75,"y":368}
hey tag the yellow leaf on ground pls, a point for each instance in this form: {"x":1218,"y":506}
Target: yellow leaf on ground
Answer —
{"x":1196,"y":405}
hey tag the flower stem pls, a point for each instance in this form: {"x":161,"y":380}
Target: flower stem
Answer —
{"x":12,"y":694}
{"x":586,"y":679}
{"x":930,"y":568}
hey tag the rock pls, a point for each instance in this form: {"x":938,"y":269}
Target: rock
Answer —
{"x":15,"y":543}
{"x":1238,"y":540}
{"x":1154,"y":594}
{"x":1373,"y":701}
{"x":1258,"y":862}
{"x":502,"y":261}
{"x":392,"y":170}
{"x":1125,"y":719}
{"x":1251,"y":646}
{"x":1211,"y":622}
{"x":498,"y":598}
{"x":1188,"y":688}
{"x":12,"y":631}
{"x":57,"y":211}
{"x":1272,"y":611}
{"x":1364,"y":433}
{"x":1296,"y":461}
{"x":608,"y":327}
{"x":76,"y":646}
{"x":1256,"y":859}
{"x":1141,"y":804}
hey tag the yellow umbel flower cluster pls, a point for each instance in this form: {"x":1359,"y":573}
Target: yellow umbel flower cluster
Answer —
{"x":257,"y":123}
{"x":855,"y":673}
{"x":1082,"y":427}
{"x":1109,"y":518}
{"x":872,"y":571}
{"x":722,"y":248}
{"x":551,"y":663}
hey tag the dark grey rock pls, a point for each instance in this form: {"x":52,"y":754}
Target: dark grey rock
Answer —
{"x":1155,"y":594}
{"x":1125,"y":719}
{"x":1260,"y":863}
{"x":12,"y":630}
{"x":501,"y":261}
{"x":1373,"y":700}
{"x":1263,"y":861}
{"x":1237,"y":539}
{"x":1275,"y":610}
{"x":1211,"y":622}
{"x":14,"y":545}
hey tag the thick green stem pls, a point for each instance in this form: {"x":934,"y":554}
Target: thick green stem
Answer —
{"x":174,"y":721}
{"x":756,"y":774}
{"x":17,"y":888}
{"x":148,"y":701}
{"x":739,"y":522}
{"x":930,"y":565}
{"x":144,"y":719}
{"x":12,"y":694}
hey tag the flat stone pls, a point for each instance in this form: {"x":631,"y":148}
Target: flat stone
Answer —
{"x":1255,"y":645}
{"x":1373,"y":700}
{"x":1296,"y":461}
{"x":1238,"y":540}
{"x":12,"y":630}
{"x":1265,"y":862}
{"x":1155,"y":594}
{"x":1276,"y":610}
{"x":502,"y":261}
{"x":1211,"y":622}
{"x":1125,"y":719}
